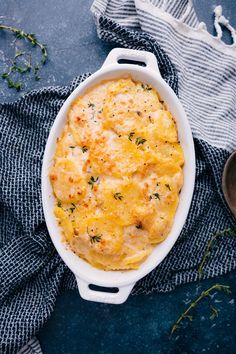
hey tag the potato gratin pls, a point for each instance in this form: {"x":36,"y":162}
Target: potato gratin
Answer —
{"x":117,"y":174}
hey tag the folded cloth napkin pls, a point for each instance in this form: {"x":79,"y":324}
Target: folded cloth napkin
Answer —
{"x":31,"y":272}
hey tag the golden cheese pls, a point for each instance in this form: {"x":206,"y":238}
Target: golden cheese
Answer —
{"x":116,"y":174}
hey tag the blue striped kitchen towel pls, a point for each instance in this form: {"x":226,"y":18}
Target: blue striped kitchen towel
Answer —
{"x":201,"y":69}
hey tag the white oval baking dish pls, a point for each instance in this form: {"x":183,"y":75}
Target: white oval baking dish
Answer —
{"x":86,"y":274}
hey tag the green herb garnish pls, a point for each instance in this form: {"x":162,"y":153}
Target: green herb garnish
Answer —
{"x":168,"y":186}
{"x":95,"y":238}
{"x":59,"y":204}
{"x":139,"y":225}
{"x":131,"y":135}
{"x":14,"y":84}
{"x":139,"y":141}
{"x":155,"y":196}
{"x":92,"y":181}
{"x":91,"y":105}
{"x":84,"y":149}
{"x":118,"y":196}
{"x":72,"y":208}
{"x":15,"y":67}
{"x":146,"y":87}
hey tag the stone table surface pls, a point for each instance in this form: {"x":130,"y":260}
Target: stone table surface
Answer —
{"x":142,"y":324}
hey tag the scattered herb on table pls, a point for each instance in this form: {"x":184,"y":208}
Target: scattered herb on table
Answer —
{"x":26,"y":57}
{"x":219,"y":287}
{"x":204,"y":294}
{"x":214,"y":312}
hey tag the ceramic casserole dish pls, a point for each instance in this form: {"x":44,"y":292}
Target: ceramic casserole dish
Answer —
{"x":85,"y":274}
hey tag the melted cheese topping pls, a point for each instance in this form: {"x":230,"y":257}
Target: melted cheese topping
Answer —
{"x":117,"y":174}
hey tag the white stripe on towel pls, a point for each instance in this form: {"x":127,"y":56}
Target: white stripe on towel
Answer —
{"x":32,"y":347}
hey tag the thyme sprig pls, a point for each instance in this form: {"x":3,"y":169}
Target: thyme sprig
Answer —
{"x":31,"y":38}
{"x":94,"y":238}
{"x":210,"y":246}
{"x":204,"y":294}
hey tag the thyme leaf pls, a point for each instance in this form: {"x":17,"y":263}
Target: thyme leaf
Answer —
{"x":118,"y":196}
{"x":72,"y":208}
{"x":131,"y":136}
{"x":168,"y":186}
{"x":95,"y":238}
{"x":146,"y":87}
{"x":139,"y":225}
{"x":139,"y":141}
{"x":154,"y":196}
{"x":84,"y":149}
{"x":14,"y":84}
{"x":92,"y":181}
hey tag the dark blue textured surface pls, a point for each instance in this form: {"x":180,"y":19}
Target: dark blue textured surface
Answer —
{"x":142,"y":324}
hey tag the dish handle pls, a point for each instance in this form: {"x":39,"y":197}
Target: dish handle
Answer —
{"x":132,"y":55}
{"x":102,"y":296}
